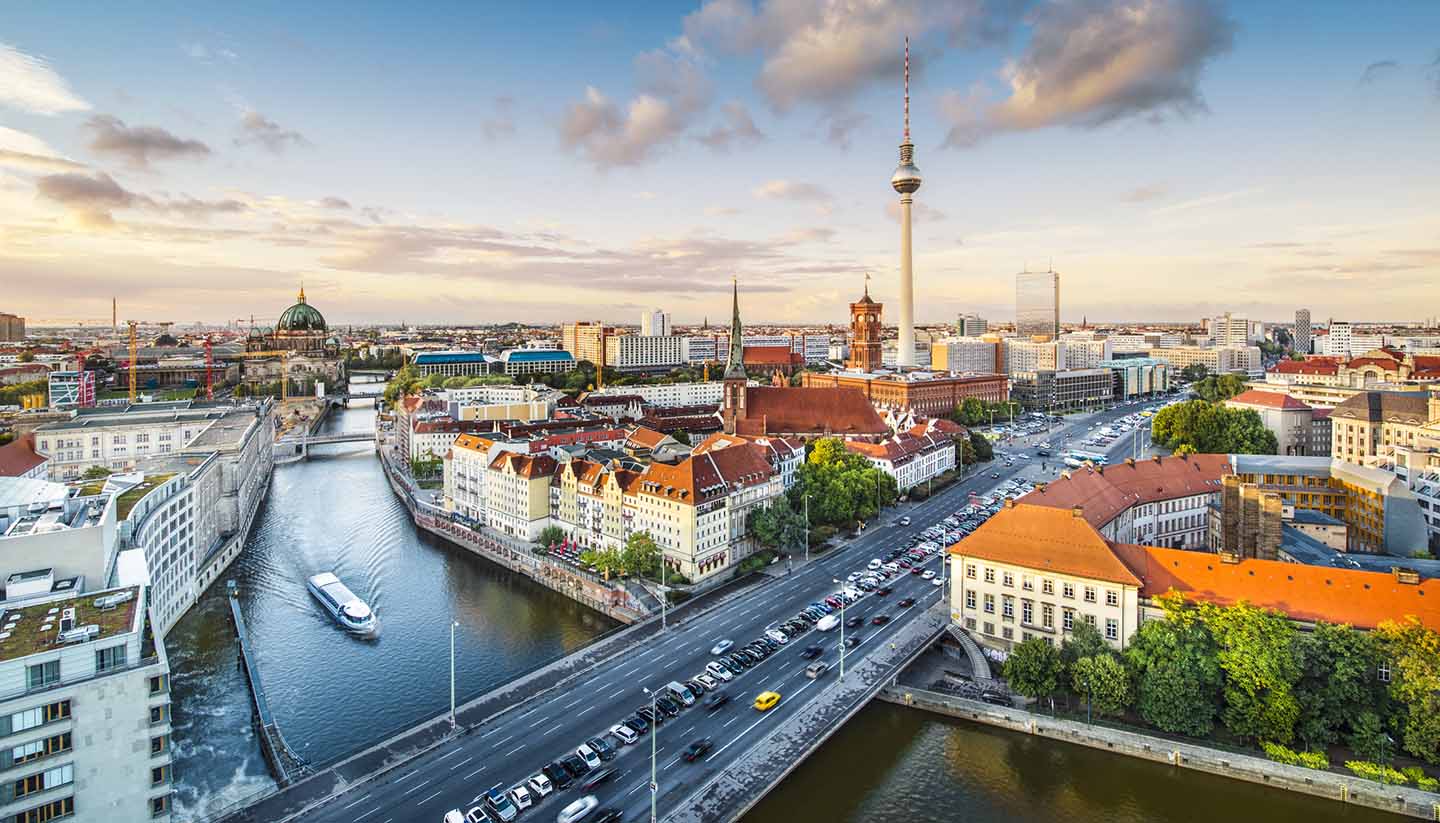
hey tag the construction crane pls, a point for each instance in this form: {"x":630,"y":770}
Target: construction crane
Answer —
{"x":133,"y":375}
{"x":284,"y":369}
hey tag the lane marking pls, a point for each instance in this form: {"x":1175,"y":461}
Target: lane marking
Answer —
{"x":518,"y":748}
{"x":362,"y":799}
{"x":584,"y":710}
{"x":447,"y":754}
{"x":459,"y":763}
{"x":407,"y":777}
{"x":558,"y":727}
{"x":502,"y":741}
{"x":533,"y":725}
{"x":432,"y":797}
{"x":367,"y":814}
{"x":415,"y":787}
{"x":638,"y":787}
{"x":477,"y":771}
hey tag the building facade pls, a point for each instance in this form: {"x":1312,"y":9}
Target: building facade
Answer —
{"x":642,"y":353}
{"x":452,"y":363}
{"x":584,"y":340}
{"x":1301,"y":341}
{"x":866,"y":350}
{"x":671,"y":394}
{"x":12,"y":328}
{"x":1037,"y":304}
{"x":965,"y":355}
{"x":1053,"y":391}
{"x":1138,"y":377}
{"x":1362,"y":426}
{"x":1290,"y":420}
{"x":654,"y":323}
{"x":72,"y":389}
{"x":971,"y":325}
{"x":924,"y":393}
{"x":527,"y":362}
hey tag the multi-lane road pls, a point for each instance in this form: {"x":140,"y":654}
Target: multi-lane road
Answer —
{"x":515,"y":745}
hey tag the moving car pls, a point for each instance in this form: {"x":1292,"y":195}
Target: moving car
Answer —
{"x":578,"y":810}
{"x":827,"y":623}
{"x":816,"y":669}
{"x":596,"y":778}
{"x":766,"y":701}
{"x":906,"y":603}
{"x":696,"y":750}
{"x":905,"y":521}
{"x":880,"y":619}
{"x":929,"y":574}
{"x":854,"y":622}
{"x":812,"y":652}
{"x":721,"y":647}
{"x":853,"y":640}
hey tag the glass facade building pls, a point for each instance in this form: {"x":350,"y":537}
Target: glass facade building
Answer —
{"x":1037,"y":303}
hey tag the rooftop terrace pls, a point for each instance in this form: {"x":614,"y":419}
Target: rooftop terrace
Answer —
{"x":33,"y":629}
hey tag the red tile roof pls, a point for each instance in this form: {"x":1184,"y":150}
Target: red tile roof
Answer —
{"x":1045,"y":539}
{"x":526,"y":465}
{"x":769,"y":356}
{"x":1268,"y":399}
{"x":644,"y":438}
{"x":1104,"y":492}
{"x":1309,"y":593}
{"x":703,"y":477}
{"x":18,"y":456}
{"x":1328,"y":367}
{"x":783,"y":410}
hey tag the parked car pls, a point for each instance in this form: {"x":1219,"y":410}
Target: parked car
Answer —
{"x":718,"y":669}
{"x":710,"y":683}
{"x":520,"y":796}
{"x":559,"y":776}
{"x":575,"y":764}
{"x":667,"y":706}
{"x":603,"y":747}
{"x":696,"y":750}
{"x":636,"y":724}
{"x":499,"y":805}
{"x":539,"y":785}
{"x":625,"y":734}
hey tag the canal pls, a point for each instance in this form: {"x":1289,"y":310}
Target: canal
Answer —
{"x":897,"y":763}
{"x":330,"y":692}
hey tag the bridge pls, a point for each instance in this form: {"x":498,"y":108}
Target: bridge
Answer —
{"x":506,"y":735}
{"x":297,"y":447}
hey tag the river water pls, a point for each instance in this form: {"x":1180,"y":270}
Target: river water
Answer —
{"x":332,"y":693}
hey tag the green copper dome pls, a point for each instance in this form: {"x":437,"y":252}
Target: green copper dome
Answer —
{"x":301,"y":317}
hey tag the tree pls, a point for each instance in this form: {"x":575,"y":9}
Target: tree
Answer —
{"x":550,"y":536}
{"x":640,"y":554}
{"x":1216,"y":388}
{"x":970,"y":412}
{"x":26,"y":357}
{"x":1104,"y":681}
{"x":606,"y":561}
{"x":435,"y":381}
{"x":1033,"y":668}
{"x":1194,"y":372}
{"x":1337,"y":682}
{"x":842,"y":485}
{"x":1367,"y":736}
{"x":456,"y":382}
{"x":681,"y":436}
{"x":95,"y":473}
{"x":1084,"y":641}
{"x":1177,"y":675}
{"x":1414,"y":652}
{"x":984,"y":451}
{"x":779,"y":525}
{"x":1256,"y":651}
{"x":1212,"y":429}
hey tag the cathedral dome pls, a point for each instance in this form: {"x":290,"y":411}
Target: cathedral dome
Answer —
{"x":301,"y":317}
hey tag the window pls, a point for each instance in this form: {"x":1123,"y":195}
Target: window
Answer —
{"x":1047,"y":586}
{"x":34,"y":750}
{"x":110,"y":659}
{"x":159,"y":806}
{"x":1112,"y":597}
{"x":1067,"y":619}
{"x":989,"y":629}
{"x":53,"y":810}
{"x":970,"y":571}
{"x":1067,"y":590}
{"x":159,"y":714}
{"x":159,"y":775}
{"x":970,"y":598}
{"x":159,"y":744}
{"x":1027,"y":583}
{"x":989,"y":575}
{"x":1112,"y":629}
{"x":1382,"y":671}
{"x":42,"y":675}
{"x":1047,"y":615}
{"x":43,"y":781}
{"x":1089,"y":618}
{"x":1027,"y":612}
{"x":1007,"y":606}
{"x":1008,"y":580}
{"x":1008,"y":633}
{"x":970,"y":623}
{"x":989,"y":604}
{"x":1089,"y":594}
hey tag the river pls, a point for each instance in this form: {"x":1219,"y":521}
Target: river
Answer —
{"x":332,"y":693}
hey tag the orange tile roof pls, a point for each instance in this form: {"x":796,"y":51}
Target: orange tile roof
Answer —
{"x":1045,"y":539}
{"x":1360,"y":598}
{"x":783,"y":410}
{"x":1268,"y":399}
{"x":768,"y":356}
{"x":1104,"y":492}
{"x":643,"y":437}
{"x":707,"y":476}
{"x":1306,"y":367}
{"x":528,"y":466}
{"x":18,"y":456}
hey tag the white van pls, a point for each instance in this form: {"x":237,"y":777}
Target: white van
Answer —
{"x":681,"y":693}
{"x":827,"y":623}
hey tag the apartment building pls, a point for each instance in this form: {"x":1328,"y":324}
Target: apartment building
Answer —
{"x":583,"y":339}
{"x":517,"y":493}
{"x":909,"y":459}
{"x":594,"y":502}
{"x":85,"y":706}
{"x":644,"y":353}
{"x":672,"y":394}
{"x":1215,"y":359}
{"x":1362,"y":425}
{"x":1290,"y":420}
{"x":964,"y":355}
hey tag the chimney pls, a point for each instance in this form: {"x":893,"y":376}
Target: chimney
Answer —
{"x":1009,"y":502}
{"x":1077,"y":511}
{"x":1130,"y":461}
{"x":1040,"y":487}
{"x":1156,"y":458}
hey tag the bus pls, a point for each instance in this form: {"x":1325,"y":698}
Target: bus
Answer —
{"x":1093,"y":457}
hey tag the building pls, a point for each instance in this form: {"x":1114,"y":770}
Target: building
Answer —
{"x":431,"y":438}
{"x":866,"y":351}
{"x":1138,"y":377}
{"x":72,"y":389}
{"x":18,"y":458}
{"x":965,"y":355}
{"x":671,"y":394}
{"x":583,"y":339}
{"x":12,"y":328}
{"x":86,"y":709}
{"x":1033,"y":571}
{"x":906,"y":181}
{"x":517,"y":493}
{"x":971,"y":325}
{"x":1161,"y":501}
{"x":1048,"y":390}
{"x":1234,"y":331}
{"x":645,"y":353}
{"x":310,"y":352}
{"x":42,"y":526}
{"x":930,"y":394}
{"x":1370,"y":420}
{"x":1215,"y":359}
{"x":1338,"y":342}
{"x":890,"y":353}
{"x":525,"y":362}
{"x":1419,"y":467}
{"x":1381,"y":513}
{"x":1037,"y":304}
{"x":654,"y":323}
{"x":452,"y":363}
{"x":1290,"y":420}
{"x":1301,"y":341}
{"x":1070,"y":352}
{"x":15,"y":374}
{"x":908,"y":458}
{"x":594,"y":502}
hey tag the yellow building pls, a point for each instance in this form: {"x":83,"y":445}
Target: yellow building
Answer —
{"x":517,"y":490}
{"x":1365,"y":424}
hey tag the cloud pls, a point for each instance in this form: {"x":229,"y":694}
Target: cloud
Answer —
{"x":826,"y":51}
{"x":199,"y":51}
{"x":334,"y":203}
{"x":673,"y":90}
{"x":738,"y":128}
{"x":790,"y":190}
{"x":811,"y":235}
{"x":920,"y":212}
{"x":1146,"y":193}
{"x":19,"y":150}
{"x":91,"y":200}
{"x":1207,"y":200}
{"x":1377,"y":70}
{"x":140,"y":144}
{"x":503,"y":123}
{"x":841,"y":125}
{"x":29,"y":84}
{"x":258,"y":130}
{"x":721,"y":211}
{"x":1092,"y":62}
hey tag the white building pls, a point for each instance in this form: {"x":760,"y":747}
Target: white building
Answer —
{"x":638,"y":352}
{"x":1338,"y":340}
{"x":1235,"y":330}
{"x":971,"y":325}
{"x":963,"y":354}
{"x":1085,"y":351}
{"x":84,"y":706}
{"x":1215,"y":359}
{"x":654,"y":323}
{"x":43,"y":527}
{"x":673,"y":394}
{"x":909,"y":459}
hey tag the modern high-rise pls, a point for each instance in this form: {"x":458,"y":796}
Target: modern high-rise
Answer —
{"x":12,"y":328}
{"x":906,"y":181}
{"x":1338,"y":342}
{"x":583,"y":339}
{"x":1230,"y":330}
{"x":1037,"y":304}
{"x":970,"y":325}
{"x":654,"y":323}
{"x":1301,"y":342}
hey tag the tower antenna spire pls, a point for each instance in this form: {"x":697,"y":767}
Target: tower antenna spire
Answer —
{"x":907,"y":89}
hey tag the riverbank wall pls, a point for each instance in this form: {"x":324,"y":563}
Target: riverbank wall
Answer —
{"x":1341,"y":788}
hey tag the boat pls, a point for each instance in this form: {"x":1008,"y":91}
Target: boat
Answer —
{"x":348,"y":610}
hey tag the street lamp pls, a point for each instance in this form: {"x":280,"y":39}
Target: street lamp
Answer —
{"x":807,"y":528}
{"x":654,"y":733}
{"x":843,"y":601}
{"x":453,"y":625}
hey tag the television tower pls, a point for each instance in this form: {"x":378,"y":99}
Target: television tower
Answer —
{"x":906,"y":180}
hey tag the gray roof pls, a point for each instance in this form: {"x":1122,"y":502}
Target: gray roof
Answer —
{"x":1379,"y":406}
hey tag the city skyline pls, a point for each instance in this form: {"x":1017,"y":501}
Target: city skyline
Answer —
{"x":423,"y":168}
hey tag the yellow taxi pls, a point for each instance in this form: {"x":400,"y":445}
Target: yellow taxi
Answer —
{"x":766,"y":701}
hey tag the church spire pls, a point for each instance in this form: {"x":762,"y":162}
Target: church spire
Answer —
{"x":735,"y":361}
{"x":301,"y":298}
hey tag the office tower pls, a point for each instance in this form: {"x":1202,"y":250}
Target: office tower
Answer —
{"x":971,"y":325}
{"x":1037,"y":304}
{"x":1301,"y":342}
{"x":654,"y":323}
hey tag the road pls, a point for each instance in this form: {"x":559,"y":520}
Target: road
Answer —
{"x":515,"y":745}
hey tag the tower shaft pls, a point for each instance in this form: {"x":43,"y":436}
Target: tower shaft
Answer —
{"x":905,"y":345}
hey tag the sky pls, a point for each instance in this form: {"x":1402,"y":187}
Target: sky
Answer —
{"x":488,"y":162}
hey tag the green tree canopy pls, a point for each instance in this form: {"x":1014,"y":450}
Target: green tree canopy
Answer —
{"x":1211,"y":428}
{"x":1414,"y":654}
{"x":984,"y":450}
{"x":1220,"y":387}
{"x":606,"y":561}
{"x":95,"y":473}
{"x":640,"y":554}
{"x":1033,"y":668}
{"x":1177,"y":675}
{"x":779,"y":525}
{"x":550,"y":536}
{"x":1257,"y":654}
{"x":456,"y":382}
{"x":1104,"y":681}
{"x":1337,"y":682}
{"x":842,"y":485}
{"x":1084,"y":641}
{"x":1194,"y":372}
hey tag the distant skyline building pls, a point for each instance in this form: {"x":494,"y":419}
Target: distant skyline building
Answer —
{"x":906,"y":181}
{"x":12,"y":328}
{"x":1301,"y":342}
{"x":1037,"y":303}
{"x":970,"y":325}
{"x":654,"y":323}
